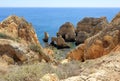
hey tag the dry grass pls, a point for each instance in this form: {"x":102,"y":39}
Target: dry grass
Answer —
{"x":35,"y":71}
{"x":27,"y":72}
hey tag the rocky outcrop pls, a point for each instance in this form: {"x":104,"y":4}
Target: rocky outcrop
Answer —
{"x":46,"y":37}
{"x":90,"y":26}
{"x":81,"y":37}
{"x":59,"y":42}
{"x":19,"y":28}
{"x":19,"y":42}
{"x":116,"y":20}
{"x":106,"y":68}
{"x":13,"y":50}
{"x":67,"y":31}
{"x":100,"y":44}
{"x":77,"y":53}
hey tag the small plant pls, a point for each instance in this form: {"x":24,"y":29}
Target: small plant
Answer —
{"x":35,"y":48}
{"x":4,"y":36}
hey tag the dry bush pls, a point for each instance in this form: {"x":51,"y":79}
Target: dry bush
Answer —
{"x":36,"y":71}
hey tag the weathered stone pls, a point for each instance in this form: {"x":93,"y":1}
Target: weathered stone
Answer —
{"x":67,"y":31}
{"x":77,"y":53}
{"x":49,"y":52}
{"x":46,"y":37}
{"x":17,"y":27}
{"x":81,"y":37}
{"x":100,"y":44}
{"x":13,"y":50}
{"x":116,"y":20}
{"x":8,"y":59}
{"x":17,"y":39}
{"x":59,"y":42}
{"x":50,"y":77}
{"x":95,"y":50}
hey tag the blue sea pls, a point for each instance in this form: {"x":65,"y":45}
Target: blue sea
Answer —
{"x":50,"y":19}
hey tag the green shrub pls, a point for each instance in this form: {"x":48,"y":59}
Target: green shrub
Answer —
{"x":4,"y":36}
{"x":35,"y":48}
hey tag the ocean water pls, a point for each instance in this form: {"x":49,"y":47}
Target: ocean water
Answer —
{"x":50,"y":19}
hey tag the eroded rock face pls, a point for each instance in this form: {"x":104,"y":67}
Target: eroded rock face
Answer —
{"x":91,"y":26}
{"x":95,"y":50}
{"x":67,"y":31}
{"x":105,"y":68}
{"x":19,"y":42}
{"x":59,"y":42}
{"x":116,"y":20}
{"x":77,"y":53}
{"x":88,"y":24}
{"x":108,"y":39}
{"x":81,"y":37}
{"x":18,"y":27}
{"x":13,"y":50}
{"x":100,"y":44}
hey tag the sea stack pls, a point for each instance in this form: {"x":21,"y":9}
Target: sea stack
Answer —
{"x":46,"y":37}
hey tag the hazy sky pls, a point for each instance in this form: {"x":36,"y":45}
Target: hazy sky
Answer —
{"x":59,"y":3}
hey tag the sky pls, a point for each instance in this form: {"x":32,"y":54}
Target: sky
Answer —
{"x":59,"y":3}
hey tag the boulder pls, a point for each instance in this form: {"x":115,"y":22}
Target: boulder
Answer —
{"x":8,"y":59}
{"x":81,"y":37}
{"x":46,"y":37}
{"x":67,"y":31}
{"x":49,"y":51}
{"x":50,"y":77}
{"x":59,"y":42}
{"x":3,"y":67}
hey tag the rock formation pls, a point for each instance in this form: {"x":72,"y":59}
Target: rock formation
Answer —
{"x":105,"y":68}
{"x":59,"y":42}
{"x":101,"y":43}
{"x":90,"y":26}
{"x":19,"y":42}
{"x":81,"y":37}
{"x":116,"y":20}
{"x":67,"y":31}
{"x":19,"y":28}
{"x":77,"y":53}
{"x":46,"y":37}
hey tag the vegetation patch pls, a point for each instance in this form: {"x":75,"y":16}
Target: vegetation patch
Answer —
{"x":4,"y":36}
{"x":36,"y":71}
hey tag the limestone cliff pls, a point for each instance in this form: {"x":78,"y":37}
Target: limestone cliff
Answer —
{"x":18,"y":28}
{"x":19,"y":42}
{"x":99,"y":44}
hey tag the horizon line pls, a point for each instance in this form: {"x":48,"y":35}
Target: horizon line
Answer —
{"x":57,"y":7}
